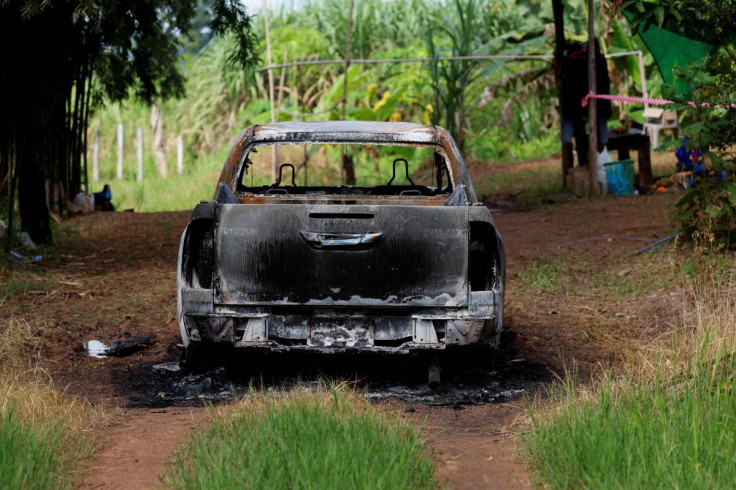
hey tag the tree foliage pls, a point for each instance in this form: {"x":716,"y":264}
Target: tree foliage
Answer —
{"x":707,"y":109}
{"x":711,"y":21}
{"x":221,"y":99}
{"x":709,"y":125}
{"x":54,"y":50}
{"x":475,"y":28}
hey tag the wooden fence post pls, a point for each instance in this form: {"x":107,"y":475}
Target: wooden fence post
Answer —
{"x":120,"y":152}
{"x":139,"y":154}
{"x":159,"y":141}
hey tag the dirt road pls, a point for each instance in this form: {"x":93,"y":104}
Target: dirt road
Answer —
{"x":115,"y":275}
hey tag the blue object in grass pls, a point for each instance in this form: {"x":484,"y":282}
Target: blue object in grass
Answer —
{"x":692,"y":161}
{"x":103,"y":200}
{"x":620,"y":177}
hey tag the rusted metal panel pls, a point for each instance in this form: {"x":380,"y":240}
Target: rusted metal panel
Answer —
{"x":327,"y":199}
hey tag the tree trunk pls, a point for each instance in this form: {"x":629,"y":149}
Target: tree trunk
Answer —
{"x":96,"y":156}
{"x":593,"y":105}
{"x":460,"y":124}
{"x":34,"y":214}
{"x":121,"y":149}
{"x":558,"y":11}
{"x":348,"y":168}
{"x":347,"y":160}
{"x":159,"y":141}
{"x":180,"y":154}
{"x":139,"y":154}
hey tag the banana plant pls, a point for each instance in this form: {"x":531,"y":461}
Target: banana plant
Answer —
{"x":465,"y":33}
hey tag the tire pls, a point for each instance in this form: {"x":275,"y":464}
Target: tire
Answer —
{"x":198,"y":357}
{"x":194,"y":358}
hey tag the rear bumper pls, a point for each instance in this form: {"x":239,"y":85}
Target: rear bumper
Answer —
{"x":335,"y":330}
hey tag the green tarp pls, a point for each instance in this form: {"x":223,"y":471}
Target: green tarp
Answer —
{"x":670,"y":49}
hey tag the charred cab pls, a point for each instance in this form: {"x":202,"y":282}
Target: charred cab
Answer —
{"x":368,"y":237}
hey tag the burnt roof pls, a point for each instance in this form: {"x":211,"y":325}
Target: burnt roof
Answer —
{"x":347,"y":132}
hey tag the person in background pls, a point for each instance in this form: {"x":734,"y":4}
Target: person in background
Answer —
{"x":103,"y":200}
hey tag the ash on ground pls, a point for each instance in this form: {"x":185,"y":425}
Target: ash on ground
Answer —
{"x":467,"y":378}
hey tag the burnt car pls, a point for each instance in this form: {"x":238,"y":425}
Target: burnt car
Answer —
{"x":369,"y":237}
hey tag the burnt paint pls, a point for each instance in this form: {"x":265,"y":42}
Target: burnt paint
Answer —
{"x":421,"y":260}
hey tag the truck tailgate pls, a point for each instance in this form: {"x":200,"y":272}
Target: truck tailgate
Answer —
{"x":341,"y":254}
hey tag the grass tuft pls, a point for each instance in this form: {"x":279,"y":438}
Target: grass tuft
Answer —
{"x":666,"y":422}
{"x":31,"y":457}
{"x":328,"y":439}
{"x":43,"y":431}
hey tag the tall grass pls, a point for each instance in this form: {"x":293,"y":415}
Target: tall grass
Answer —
{"x":43,"y":432}
{"x":327,"y":439}
{"x":158,"y":194}
{"x":32,"y":457}
{"x":667,"y":422}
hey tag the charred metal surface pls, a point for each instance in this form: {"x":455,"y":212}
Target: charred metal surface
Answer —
{"x":421,"y":258}
{"x":337,"y":332}
{"x":333,"y":199}
{"x":390,"y":269}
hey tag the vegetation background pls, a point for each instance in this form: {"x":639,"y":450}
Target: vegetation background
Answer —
{"x":665,"y":420}
{"x":505,"y":110}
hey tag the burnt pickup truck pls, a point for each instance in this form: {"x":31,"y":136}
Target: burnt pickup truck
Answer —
{"x":370,"y":238}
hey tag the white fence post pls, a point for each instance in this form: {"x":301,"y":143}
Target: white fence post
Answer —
{"x":159,"y":140}
{"x":180,"y":154}
{"x":120,"y":152}
{"x":140,"y":154}
{"x":96,"y":156}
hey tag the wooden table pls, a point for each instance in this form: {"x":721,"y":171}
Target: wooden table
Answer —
{"x":634,"y":140}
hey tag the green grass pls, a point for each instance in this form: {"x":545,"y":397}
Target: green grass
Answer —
{"x":304,"y":440}
{"x":32,"y":457}
{"x":668,"y":418}
{"x":181,"y":192}
{"x":16,"y":286}
{"x":155,"y":194}
{"x":44,"y":433}
{"x":530,"y":186}
{"x":18,"y":278}
{"x":579,"y":274}
{"x":543,"y":275}
{"x":665,"y":432}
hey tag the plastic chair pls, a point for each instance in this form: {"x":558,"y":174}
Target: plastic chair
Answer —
{"x":657,"y":120}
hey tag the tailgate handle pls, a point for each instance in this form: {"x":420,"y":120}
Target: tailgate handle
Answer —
{"x":341,"y":241}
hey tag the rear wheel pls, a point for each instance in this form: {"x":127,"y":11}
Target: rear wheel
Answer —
{"x":192,"y":359}
{"x":198,"y":357}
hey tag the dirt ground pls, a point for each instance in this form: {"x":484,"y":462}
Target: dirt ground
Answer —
{"x":115,"y":274}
